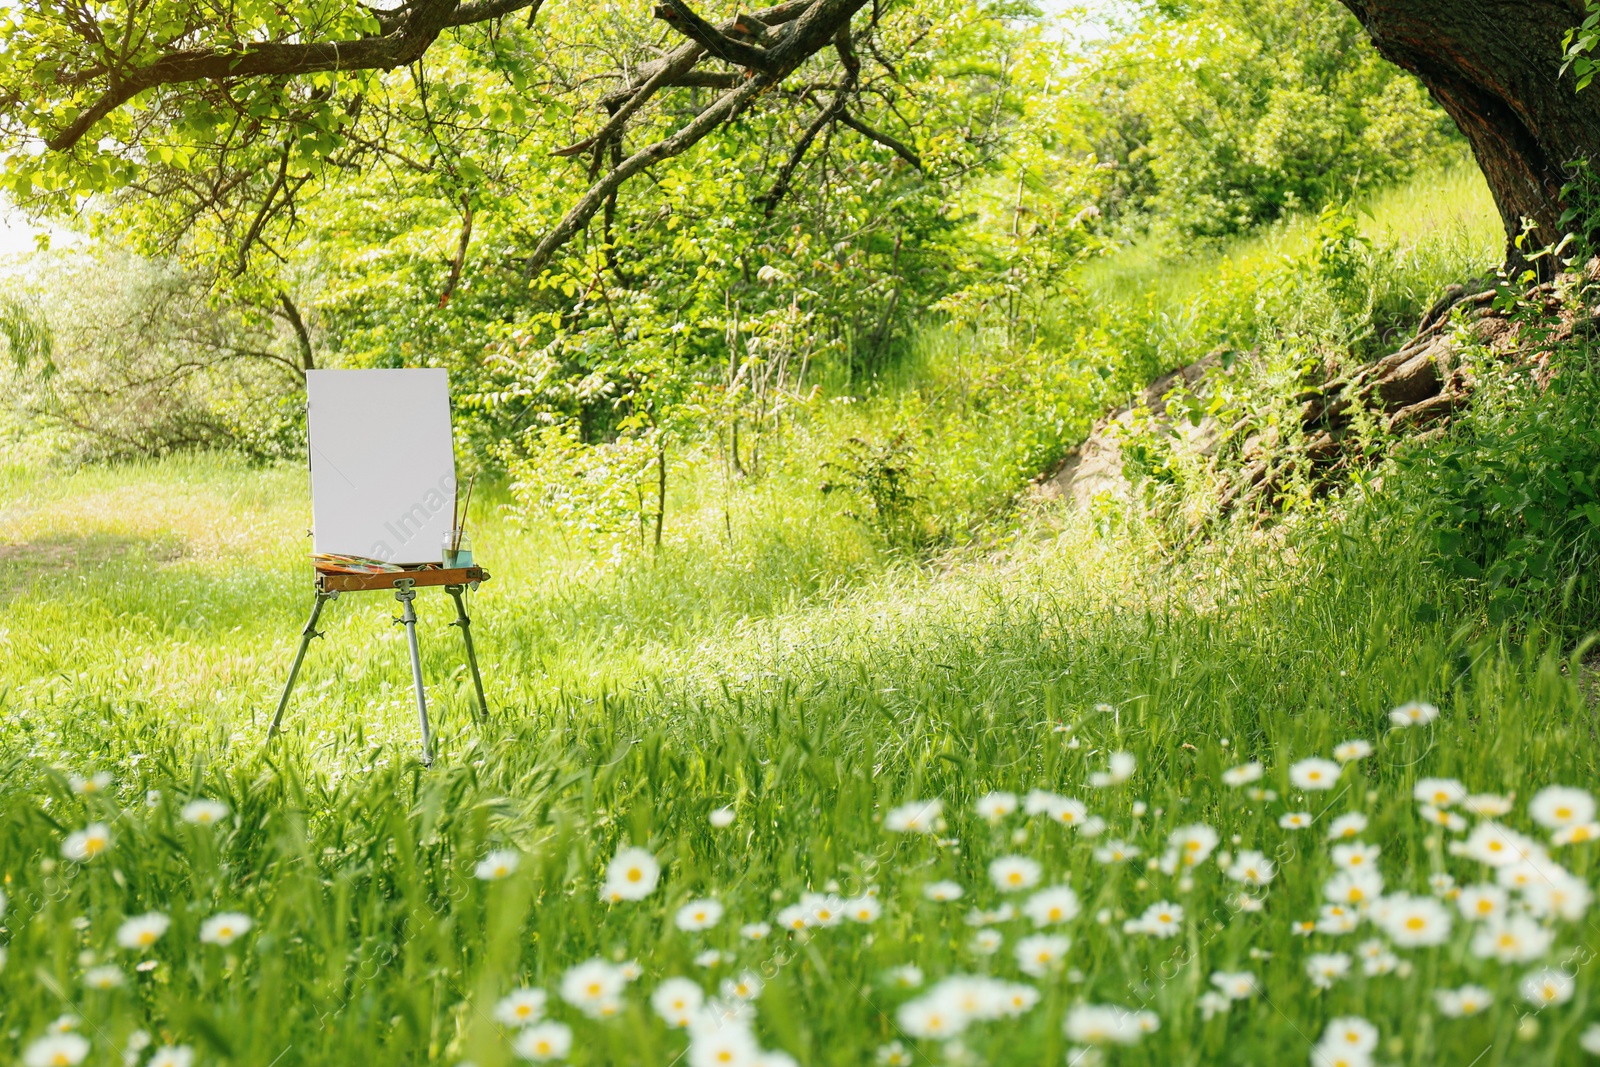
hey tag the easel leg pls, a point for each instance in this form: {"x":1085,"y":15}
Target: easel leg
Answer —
{"x":299,"y":657}
{"x":472,"y":656}
{"x":405,"y":592}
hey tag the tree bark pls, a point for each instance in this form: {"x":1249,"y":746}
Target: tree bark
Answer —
{"x":1493,"y":66}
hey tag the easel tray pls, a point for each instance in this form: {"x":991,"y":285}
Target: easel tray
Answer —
{"x":355,"y":583}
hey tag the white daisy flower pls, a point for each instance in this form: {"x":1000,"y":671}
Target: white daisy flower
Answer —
{"x":1326,"y":968}
{"x":1486,"y":805}
{"x":1514,"y":939}
{"x":142,"y":931}
{"x":863,"y":909}
{"x":1122,"y":765}
{"x":1351,"y":1033}
{"x":894,"y":1054}
{"x":98,"y":782}
{"x":593,"y":987}
{"x":1116,"y":851}
{"x":1440,"y":792}
{"x":1412,"y":922}
{"x":1578,"y":834}
{"x":987,"y":942}
{"x":914,"y":817}
{"x":906,"y":976}
{"x":1589,"y":1040}
{"x":728,"y":1045}
{"x":722,"y":818}
{"x":521,"y":1007}
{"x":545,"y":1041}
{"x":755,"y":931}
{"x":501,"y":863}
{"x":1108,"y":1024}
{"x":1295,"y":820}
{"x":1252,"y":867}
{"x":996,"y":806}
{"x":1337,"y":919}
{"x":1459,"y":1003}
{"x":172,"y":1056}
{"x":1443,"y":817}
{"x":1058,"y":904}
{"x":81,"y":846}
{"x":1235,"y":985}
{"x":1331,"y":1056}
{"x":1413,"y":714}
{"x":1351,"y":751}
{"x":794,"y":918}
{"x":1193,"y":844}
{"x":1211,"y":1004}
{"x":1546,"y":987}
{"x":699,"y":915}
{"x":746,"y":987}
{"x":1355,"y":888}
{"x":104,"y":977}
{"x":1356,"y":857}
{"x":1162,"y":919}
{"x":1042,"y":953}
{"x":1067,"y":811}
{"x":1017,"y":998}
{"x":56,"y":1050}
{"x":943,"y":892}
{"x":825,"y":909}
{"x":930,"y":1018}
{"x":1243,"y":774}
{"x":677,"y":1000}
{"x":1558,"y":895}
{"x":633,"y":874}
{"x":203,"y":812}
{"x":1011,"y":874}
{"x":1498,"y":846}
{"x":1559,"y":806}
{"x":1482,"y":902}
{"x":225,"y":928}
{"x":1314,"y":774}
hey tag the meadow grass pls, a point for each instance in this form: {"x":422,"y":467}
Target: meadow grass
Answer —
{"x":775,"y":662}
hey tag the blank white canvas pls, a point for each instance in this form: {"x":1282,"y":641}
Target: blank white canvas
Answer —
{"x":383,"y":468}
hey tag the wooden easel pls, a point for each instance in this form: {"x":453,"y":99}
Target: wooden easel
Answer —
{"x":405,"y":584}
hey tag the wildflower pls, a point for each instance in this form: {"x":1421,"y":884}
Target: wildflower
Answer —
{"x":1443,"y":817}
{"x":1093,"y":826}
{"x":1337,"y":919}
{"x":1325,"y":968}
{"x":225,"y":928}
{"x":676,"y":1000}
{"x":825,"y":909}
{"x":1017,"y":998}
{"x":1047,"y":907}
{"x":203,"y":812}
{"x":709,"y":958}
{"x":1498,"y":846}
{"x":1243,"y":774}
{"x":1525,"y":873}
{"x":500,"y":863}
{"x":1067,"y":811}
{"x":1326,"y":1056}
{"x":1122,"y":765}
{"x":1351,"y":751}
{"x":1356,"y":857}
{"x":915,"y":817}
{"x":722,"y":818}
{"x":142,"y":931}
{"x":1295,"y":820}
{"x":1589,"y":1040}
{"x":1514,"y":939}
{"x":1012,"y":873}
{"x":1457,"y":1003}
{"x":521,"y":1007}
{"x":699,"y":915}
{"x":894,"y":1054}
{"x":1041,"y":953}
{"x":728,"y":1045}
{"x":906,"y":976}
{"x":1235,"y":985}
{"x":930,"y":1017}
{"x":1559,"y":806}
{"x":942,"y":892}
{"x":1108,"y":1024}
{"x":81,"y":846}
{"x":1411,"y":921}
{"x":95,"y":783}
{"x":631,"y":971}
{"x":57,"y":1050}
{"x":1350,"y":1033}
{"x":1252,"y":868}
{"x":1486,"y":805}
{"x":1413,"y":714}
{"x":1314,"y":774}
{"x":986,"y":942}
{"x":1440,"y":792}
{"x":593,"y":987}
{"x":755,"y":931}
{"x":546,"y":1041}
{"x":746,"y":987}
{"x":996,"y":806}
{"x":1579,"y":833}
{"x":1482,"y":902}
{"x":1194,"y":844}
{"x":1354,"y":887}
{"x":1443,"y":885}
{"x":1211,"y":1004}
{"x":1546,"y":987}
{"x":863,"y":909}
{"x":1162,"y":919}
{"x":1304,"y":928}
{"x":172,"y":1056}
{"x":1559,"y":894}
{"x":103,"y":978}
{"x":632,"y":875}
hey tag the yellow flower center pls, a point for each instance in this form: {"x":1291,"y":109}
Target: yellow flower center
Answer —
{"x":1416,"y":922}
{"x":635,"y":874}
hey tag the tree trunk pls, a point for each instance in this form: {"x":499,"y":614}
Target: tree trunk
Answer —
{"x":1492,"y":65}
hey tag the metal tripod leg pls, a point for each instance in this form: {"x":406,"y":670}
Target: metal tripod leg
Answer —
{"x":405,"y":591}
{"x":465,"y":623}
{"x":299,"y":657}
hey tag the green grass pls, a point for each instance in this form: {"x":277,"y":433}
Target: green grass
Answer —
{"x":778,"y":660}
